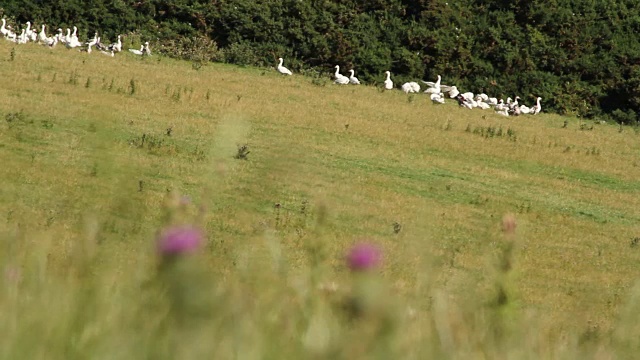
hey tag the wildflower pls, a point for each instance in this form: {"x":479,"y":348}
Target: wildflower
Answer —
{"x":364,"y":257}
{"x":179,"y":240}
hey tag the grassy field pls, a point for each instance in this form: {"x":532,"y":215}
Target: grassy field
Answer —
{"x":98,"y":154}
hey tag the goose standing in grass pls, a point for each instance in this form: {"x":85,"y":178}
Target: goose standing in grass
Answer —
{"x":338,"y":76}
{"x":74,"y":34}
{"x":28,"y":32}
{"x":116,"y":46}
{"x":535,"y":109}
{"x":433,"y":87}
{"x":147,"y":50}
{"x":138,"y":52}
{"x":8,"y":34}
{"x":63,"y":38}
{"x":340,"y":79}
{"x":22,"y":39}
{"x":352,"y":79}
{"x":72,"y":40}
{"x":281,"y":69}
{"x":60,"y":36}
{"x":513,"y":104}
{"x":66,"y":38}
{"x":42,"y":35}
{"x":109,"y":53}
{"x":388,"y":84}
{"x":503,"y":112}
{"x":514,"y":109}
{"x":3,"y":28}
{"x":93,"y":40}
{"x":73,"y":43}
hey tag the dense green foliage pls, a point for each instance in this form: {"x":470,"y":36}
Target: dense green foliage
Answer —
{"x":581,"y":56}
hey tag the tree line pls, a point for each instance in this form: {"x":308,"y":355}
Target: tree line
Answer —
{"x":581,"y":56}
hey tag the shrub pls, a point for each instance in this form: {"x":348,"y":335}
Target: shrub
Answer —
{"x":198,"y":49}
{"x":241,"y":53}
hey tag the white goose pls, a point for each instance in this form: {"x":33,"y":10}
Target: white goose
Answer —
{"x":352,"y":79}
{"x":73,"y":43}
{"x":117,"y":46}
{"x":342,"y":80}
{"x":8,"y":34}
{"x":410,"y":87}
{"x":482,"y":105}
{"x":138,"y":52}
{"x":42,"y":35}
{"x":437,"y":98}
{"x":22,"y":39}
{"x":468,"y":96}
{"x":66,"y":39}
{"x":281,"y":69}
{"x":514,"y":104}
{"x":60,"y":36}
{"x":388,"y":84}
{"x":501,"y":106}
{"x":51,"y":41}
{"x":28,"y":32}
{"x":74,"y":35}
{"x":147,"y":50}
{"x":339,"y":76}
{"x":464,"y":102}
{"x":535,"y":109}
{"x":88,"y":48}
{"x":433,"y":87}
{"x":94,"y":40}
{"x":452,"y":90}
{"x":3,"y":28}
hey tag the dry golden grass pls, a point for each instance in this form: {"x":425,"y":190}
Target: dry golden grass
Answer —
{"x":366,"y":157}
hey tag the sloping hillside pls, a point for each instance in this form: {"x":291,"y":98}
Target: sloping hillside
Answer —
{"x":98,"y":154}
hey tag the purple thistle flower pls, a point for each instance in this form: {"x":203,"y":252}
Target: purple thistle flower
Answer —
{"x":364,"y":256}
{"x":179,"y":240}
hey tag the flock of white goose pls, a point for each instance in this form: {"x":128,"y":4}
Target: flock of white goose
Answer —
{"x":437,"y":91}
{"x":69,"y":40}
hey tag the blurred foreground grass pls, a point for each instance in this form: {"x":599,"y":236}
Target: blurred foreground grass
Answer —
{"x":98,"y":155}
